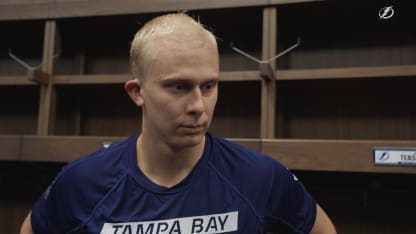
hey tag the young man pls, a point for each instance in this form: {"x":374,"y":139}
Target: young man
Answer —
{"x":175,"y":177}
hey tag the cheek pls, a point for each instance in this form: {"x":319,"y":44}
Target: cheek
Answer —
{"x":172,"y":110}
{"x":210,"y":105}
{"x":167,"y":110}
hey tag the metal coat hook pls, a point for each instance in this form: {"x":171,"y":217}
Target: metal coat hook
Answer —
{"x":34,"y":73}
{"x":266,"y":71}
{"x":27,"y":66}
{"x":266,"y":61}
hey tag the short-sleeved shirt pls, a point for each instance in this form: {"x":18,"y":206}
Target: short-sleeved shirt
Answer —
{"x":231,"y":189}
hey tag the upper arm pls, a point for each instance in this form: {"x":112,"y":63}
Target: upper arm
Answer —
{"x":53,"y":212}
{"x":26,"y":227}
{"x":323,"y":224}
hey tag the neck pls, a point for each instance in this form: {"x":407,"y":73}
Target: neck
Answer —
{"x":165,"y":165}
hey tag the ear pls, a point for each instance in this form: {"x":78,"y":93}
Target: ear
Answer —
{"x":133,"y":89}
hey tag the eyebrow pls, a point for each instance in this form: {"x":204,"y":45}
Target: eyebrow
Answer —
{"x":188,"y":80}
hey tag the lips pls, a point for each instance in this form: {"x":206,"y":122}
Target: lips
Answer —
{"x":192,"y":128}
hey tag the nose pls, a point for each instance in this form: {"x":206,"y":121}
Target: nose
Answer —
{"x":195,"y":104}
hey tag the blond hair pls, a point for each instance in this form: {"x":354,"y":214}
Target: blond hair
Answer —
{"x":142,"y":47}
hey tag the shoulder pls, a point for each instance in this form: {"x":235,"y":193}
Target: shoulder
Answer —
{"x":79,"y":187}
{"x":271,"y":188}
{"x":106,"y":161}
{"x":228,"y":150}
{"x":229,"y":155}
{"x":93,"y":174}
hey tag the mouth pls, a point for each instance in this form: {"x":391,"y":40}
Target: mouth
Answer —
{"x":192,"y":128}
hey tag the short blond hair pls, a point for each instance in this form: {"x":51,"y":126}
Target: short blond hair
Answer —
{"x":141,"y":47}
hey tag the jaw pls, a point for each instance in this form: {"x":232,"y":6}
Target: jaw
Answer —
{"x":173,"y":139}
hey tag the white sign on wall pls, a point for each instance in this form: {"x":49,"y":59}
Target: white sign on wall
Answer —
{"x":394,"y":156}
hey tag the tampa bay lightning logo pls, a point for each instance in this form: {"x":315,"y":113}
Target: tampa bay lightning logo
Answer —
{"x":384,"y":156}
{"x":386,"y":12}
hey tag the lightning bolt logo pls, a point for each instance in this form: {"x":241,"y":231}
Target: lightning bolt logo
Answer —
{"x":384,"y":156}
{"x":386,"y":12}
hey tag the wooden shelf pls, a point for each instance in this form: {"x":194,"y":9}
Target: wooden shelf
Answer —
{"x":347,"y":72}
{"x":63,"y":9}
{"x":91,"y":79}
{"x":15,"y":80}
{"x":314,"y":155}
{"x":61,"y":148}
{"x":248,"y":75}
{"x":333,"y":155}
{"x":121,"y":78}
{"x":253,"y":143}
{"x":10,"y":147}
{"x":240,"y":76}
{"x":96,"y":79}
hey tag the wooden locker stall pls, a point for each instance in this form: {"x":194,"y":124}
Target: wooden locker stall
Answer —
{"x":346,"y":90}
{"x":320,"y":109}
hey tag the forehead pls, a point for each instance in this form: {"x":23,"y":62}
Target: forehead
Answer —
{"x":172,"y":46}
{"x":184,"y":57}
{"x":184,"y":41}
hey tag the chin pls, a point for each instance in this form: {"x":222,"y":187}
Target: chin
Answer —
{"x":188,"y":141}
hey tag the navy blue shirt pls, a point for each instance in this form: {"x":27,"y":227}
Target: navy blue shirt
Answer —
{"x":232,"y":189}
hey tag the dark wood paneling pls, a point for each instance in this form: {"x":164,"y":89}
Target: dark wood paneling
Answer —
{"x":333,"y":155}
{"x":67,"y":148}
{"x":12,"y":214}
{"x":61,"y":9}
{"x":105,"y":53}
{"x":18,"y":108}
{"x":246,"y":34}
{"x":92,"y":79}
{"x":104,"y":110}
{"x":332,"y":38}
{"x":60,"y":148}
{"x":24,"y":11}
{"x":347,"y":109}
{"x":22,"y":184}
{"x":88,"y":47}
{"x":347,"y":73}
{"x":10,"y":147}
{"x":24,"y":40}
{"x":122,"y":78}
{"x":250,"y":143}
{"x":240,"y":76}
{"x":16,"y":80}
{"x":313,"y":155}
{"x":390,"y":210}
{"x":237,"y":114}
{"x":364,"y":203}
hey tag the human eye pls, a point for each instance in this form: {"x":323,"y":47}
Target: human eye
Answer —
{"x":208,"y":86}
{"x":176,"y":87}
